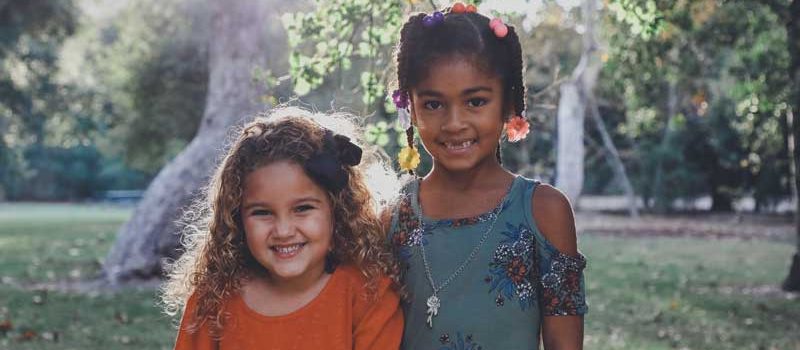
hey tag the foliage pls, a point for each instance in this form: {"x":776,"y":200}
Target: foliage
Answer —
{"x":54,"y":125}
{"x":154,"y":64}
{"x":727,"y":79}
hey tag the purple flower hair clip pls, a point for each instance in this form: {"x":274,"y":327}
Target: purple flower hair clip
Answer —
{"x":400,"y":99}
{"x":433,"y":20}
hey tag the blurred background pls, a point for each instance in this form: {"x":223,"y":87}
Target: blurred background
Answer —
{"x":671,"y":125}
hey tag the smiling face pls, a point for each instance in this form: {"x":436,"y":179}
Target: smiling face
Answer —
{"x":288,"y":222}
{"x":458,"y":110}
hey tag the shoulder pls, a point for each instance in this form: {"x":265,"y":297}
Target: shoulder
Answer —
{"x":357,"y":282}
{"x":554,"y":218}
{"x":362,"y":294}
{"x":349,"y":272}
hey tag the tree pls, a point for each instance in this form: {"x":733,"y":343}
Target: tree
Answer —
{"x":578,"y":97}
{"x":245,"y":35}
{"x":789,"y":15}
{"x":31,"y":34}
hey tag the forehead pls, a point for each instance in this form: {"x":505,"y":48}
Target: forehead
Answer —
{"x":457,"y":73}
{"x":280,"y":181}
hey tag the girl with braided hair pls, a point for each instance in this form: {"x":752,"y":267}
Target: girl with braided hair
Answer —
{"x":489,"y":258}
{"x":288,"y":251}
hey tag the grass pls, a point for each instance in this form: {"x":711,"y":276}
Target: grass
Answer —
{"x":679,"y":293}
{"x":644,"y":293}
{"x":44,"y":243}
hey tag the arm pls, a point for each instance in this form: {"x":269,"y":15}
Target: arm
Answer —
{"x":381,"y":326}
{"x":193,"y":339}
{"x":555,"y":220}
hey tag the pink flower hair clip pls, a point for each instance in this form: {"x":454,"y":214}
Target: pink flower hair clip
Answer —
{"x":498,"y":27}
{"x":517,"y":128}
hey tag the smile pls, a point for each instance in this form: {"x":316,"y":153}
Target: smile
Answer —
{"x":287,"y":251}
{"x":456,"y":146}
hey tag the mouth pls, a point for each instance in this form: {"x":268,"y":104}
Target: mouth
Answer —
{"x":286,"y":251}
{"x":458,"y":146}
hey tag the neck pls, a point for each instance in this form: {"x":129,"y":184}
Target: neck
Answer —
{"x":476,"y":177}
{"x":296,"y":286}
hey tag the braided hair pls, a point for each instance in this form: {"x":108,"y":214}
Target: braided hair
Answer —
{"x":463,"y":34}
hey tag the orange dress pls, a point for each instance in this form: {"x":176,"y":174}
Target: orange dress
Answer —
{"x":340,"y":317}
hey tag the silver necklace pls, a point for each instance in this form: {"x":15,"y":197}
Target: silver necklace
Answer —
{"x":434,"y":302}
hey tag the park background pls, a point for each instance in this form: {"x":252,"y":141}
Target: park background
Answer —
{"x":671,"y":125}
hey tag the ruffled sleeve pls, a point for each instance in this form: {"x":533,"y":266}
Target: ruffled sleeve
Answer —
{"x":558,"y":276}
{"x":561,"y":283}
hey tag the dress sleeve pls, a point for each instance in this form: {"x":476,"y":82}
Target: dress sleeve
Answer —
{"x":193,"y":338}
{"x":563,"y":291}
{"x":378,"y":321}
{"x":558,"y":276}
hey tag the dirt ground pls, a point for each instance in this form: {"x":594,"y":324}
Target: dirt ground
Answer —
{"x":700,"y":224}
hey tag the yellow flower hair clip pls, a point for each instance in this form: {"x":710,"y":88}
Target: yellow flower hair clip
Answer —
{"x":408,"y":158}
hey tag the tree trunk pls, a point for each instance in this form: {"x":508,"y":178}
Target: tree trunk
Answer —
{"x":663,"y":204}
{"x":614,"y":161}
{"x":242,"y":33}
{"x":792,"y":282}
{"x":572,"y":109}
{"x":570,"y":148}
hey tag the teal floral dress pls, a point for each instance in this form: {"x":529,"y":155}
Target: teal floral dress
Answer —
{"x":500,"y":297}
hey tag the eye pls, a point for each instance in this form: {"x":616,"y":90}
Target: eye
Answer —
{"x":476,"y":102}
{"x":260,"y":212}
{"x":432,"y":105}
{"x":304,"y":208}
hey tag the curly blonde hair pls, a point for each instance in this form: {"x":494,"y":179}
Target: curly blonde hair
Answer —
{"x":216,"y":259}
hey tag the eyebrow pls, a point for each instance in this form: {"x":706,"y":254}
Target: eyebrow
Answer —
{"x":466,"y":92}
{"x":263,"y":204}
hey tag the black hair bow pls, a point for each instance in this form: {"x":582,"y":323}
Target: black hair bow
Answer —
{"x":326,"y":167}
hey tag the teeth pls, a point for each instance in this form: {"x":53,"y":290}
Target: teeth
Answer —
{"x":464,"y":144}
{"x":288,"y":249}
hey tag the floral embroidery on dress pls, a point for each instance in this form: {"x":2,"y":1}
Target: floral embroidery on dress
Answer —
{"x":511,"y":267}
{"x":407,"y":234}
{"x":459,"y":343}
{"x":561,"y":285}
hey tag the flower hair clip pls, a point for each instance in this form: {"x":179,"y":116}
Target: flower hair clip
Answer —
{"x":401,"y":101}
{"x":517,"y":128}
{"x":459,"y":7}
{"x":498,"y":27}
{"x":433,"y":20}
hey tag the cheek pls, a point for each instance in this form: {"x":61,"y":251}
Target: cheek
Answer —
{"x":318,"y":227}
{"x":255,"y":231}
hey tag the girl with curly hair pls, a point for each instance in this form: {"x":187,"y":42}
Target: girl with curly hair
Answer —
{"x":290,"y":252}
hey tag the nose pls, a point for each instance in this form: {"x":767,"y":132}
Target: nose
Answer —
{"x":454,"y":120}
{"x":284,"y":228}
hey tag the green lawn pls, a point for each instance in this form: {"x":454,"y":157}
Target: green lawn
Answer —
{"x":644,"y":293}
{"x":42,"y":244}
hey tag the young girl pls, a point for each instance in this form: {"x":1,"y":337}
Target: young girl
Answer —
{"x":290,"y":256}
{"x":489,"y":258}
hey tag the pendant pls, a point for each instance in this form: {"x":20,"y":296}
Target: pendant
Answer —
{"x":433,"y":309}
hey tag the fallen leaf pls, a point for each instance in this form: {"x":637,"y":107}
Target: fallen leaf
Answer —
{"x":27,"y":335}
{"x":5,"y":326}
